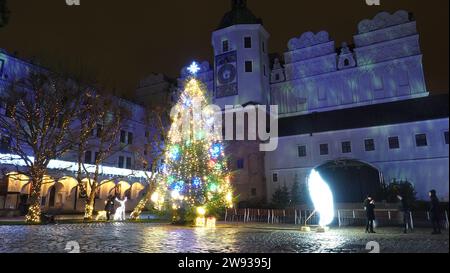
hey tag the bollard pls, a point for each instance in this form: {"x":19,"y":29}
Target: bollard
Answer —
{"x":226,"y":212}
{"x":428,"y":215}
{"x":268,"y":216}
{"x":411,"y":219}
{"x":295,"y":217}
{"x":389,"y":215}
{"x":339,"y":218}
{"x":446,"y":219}
{"x":353,"y":214}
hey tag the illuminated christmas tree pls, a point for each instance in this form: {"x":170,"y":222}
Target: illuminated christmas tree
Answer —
{"x":195,"y":180}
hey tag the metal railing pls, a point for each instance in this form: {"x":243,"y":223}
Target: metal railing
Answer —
{"x":343,"y":217}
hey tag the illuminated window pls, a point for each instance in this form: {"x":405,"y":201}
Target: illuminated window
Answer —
{"x":275,"y":177}
{"x":323,"y":149}
{"x":301,"y":150}
{"x":248,"y":42}
{"x":369,"y":145}
{"x":421,"y":140}
{"x":346,"y":147}
{"x":88,"y":157}
{"x":446,"y":137}
{"x":248,"y":66}
{"x":240,"y":163}
{"x":225,"y":46}
{"x":394,"y":143}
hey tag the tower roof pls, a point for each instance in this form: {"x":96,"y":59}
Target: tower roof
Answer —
{"x":239,"y":15}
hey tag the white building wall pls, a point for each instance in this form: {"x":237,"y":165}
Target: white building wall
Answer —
{"x":425,"y":167}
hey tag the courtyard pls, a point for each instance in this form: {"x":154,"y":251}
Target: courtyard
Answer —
{"x":123,"y":237}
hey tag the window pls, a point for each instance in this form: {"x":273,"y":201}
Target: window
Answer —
{"x":264,"y":69}
{"x":394,"y":143}
{"x":346,"y":62}
{"x":248,"y":66}
{"x":446,"y":137}
{"x":121,"y":161}
{"x":253,"y":191}
{"x":225,"y":46}
{"x":128,"y":163}
{"x":240,"y":163}
{"x":130,"y":138}
{"x":88,"y":157}
{"x":275,"y":177}
{"x":346,"y":147}
{"x":301,"y":150}
{"x":123,"y":136}
{"x":277,"y":77}
{"x":99,"y":130}
{"x":248,"y":42}
{"x":421,"y":140}
{"x":147,"y":133}
{"x":323,"y":149}
{"x":5,"y":143}
{"x":263,"y":47}
{"x":369,"y":145}
{"x":2,"y":64}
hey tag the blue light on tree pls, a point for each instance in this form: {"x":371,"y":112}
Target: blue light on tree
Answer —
{"x":196,"y":181}
{"x":216,"y":150}
{"x":175,"y":152}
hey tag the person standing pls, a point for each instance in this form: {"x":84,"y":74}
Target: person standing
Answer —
{"x":109,"y":206}
{"x":369,"y":207}
{"x":435,"y":212}
{"x":405,"y":209}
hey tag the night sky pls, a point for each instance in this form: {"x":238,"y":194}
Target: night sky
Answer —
{"x":123,"y":41}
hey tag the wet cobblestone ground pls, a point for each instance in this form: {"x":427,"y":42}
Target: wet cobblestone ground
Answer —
{"x":143,"y":237}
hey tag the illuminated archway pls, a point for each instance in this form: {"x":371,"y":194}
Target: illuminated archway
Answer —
{"x":350,"y":180}
{"x":123,"y":188}
{"x":106,"y":188}
{"x":136,"y":190}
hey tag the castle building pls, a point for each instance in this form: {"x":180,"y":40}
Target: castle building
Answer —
{"x":361,"y":112}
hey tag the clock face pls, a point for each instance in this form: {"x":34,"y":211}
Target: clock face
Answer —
{"x":226,"y":74}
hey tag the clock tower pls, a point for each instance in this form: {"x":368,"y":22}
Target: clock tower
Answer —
{"x":241,"y":66}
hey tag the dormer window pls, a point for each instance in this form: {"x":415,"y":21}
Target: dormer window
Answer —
{"x":248,"y":42}
{"x":225,"y":46}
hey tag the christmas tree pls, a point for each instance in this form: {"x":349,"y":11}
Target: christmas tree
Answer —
{"x":195,"y":180}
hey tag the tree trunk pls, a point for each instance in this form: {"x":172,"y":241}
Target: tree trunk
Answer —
{"x":90,"y":200}
{"x":34,"y":211}
{"x":143,"y":202}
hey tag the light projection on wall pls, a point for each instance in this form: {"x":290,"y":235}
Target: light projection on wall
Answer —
{"x":322,"y":198}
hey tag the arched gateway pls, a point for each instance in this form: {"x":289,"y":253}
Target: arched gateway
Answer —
{"x":351,"y":180}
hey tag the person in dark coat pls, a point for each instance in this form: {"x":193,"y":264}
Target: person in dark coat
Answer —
{"x":406,"y":210}
{"x":435,"y":212}
{"x":369,"y":207}
{"x":109,"y":207}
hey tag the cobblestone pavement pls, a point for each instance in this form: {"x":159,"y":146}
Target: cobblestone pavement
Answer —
{"x":144,"y":237}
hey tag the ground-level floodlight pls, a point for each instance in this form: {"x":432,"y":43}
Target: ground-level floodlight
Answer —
{"x":322,"y":199}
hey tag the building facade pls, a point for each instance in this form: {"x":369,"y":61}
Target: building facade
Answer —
{"x":375,"y":84}
{"x":121,"y":173}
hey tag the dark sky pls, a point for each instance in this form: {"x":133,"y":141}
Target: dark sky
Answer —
{"x":122,"y":41}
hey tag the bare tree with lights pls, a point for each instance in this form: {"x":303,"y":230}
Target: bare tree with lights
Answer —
{"x":100,"y":127}
{"x":40,"y":117}
{"x":153,"y":153}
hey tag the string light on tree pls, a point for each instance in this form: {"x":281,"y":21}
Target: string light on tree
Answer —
{"x":196,"y":173}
